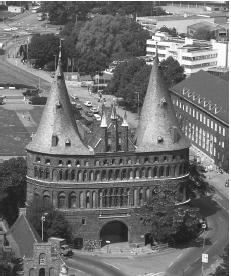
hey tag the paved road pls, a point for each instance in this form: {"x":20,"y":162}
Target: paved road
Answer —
{"x":11,"y":74}
{"x":217,"y":237}
{"x":93,"y":266}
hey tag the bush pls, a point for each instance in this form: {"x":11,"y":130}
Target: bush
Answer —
{"x":31,"y":93}
{"x":38,"y":100}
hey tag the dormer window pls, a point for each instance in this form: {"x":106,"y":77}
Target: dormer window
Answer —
{"x":38,"y":160}
{"x":77,"y":163}
{"x":47,"y":162}
{"x":160,"y":140}
{"x":60,"y":162}
{"x":163,"y":102}
{"x":68,"y":142}
{"x":58,"y":104}
{"x":54,"y":141}
{"x":69,"y":163}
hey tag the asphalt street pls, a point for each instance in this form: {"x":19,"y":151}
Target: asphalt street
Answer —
{"x":93,"y":266}
{"x":216,"y":238}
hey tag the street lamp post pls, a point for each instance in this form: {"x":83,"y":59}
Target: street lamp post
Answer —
{"x":43,"y":218}
{"x":202,"y":263}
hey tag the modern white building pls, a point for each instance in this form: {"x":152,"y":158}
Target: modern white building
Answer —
{"x":193,"y":54}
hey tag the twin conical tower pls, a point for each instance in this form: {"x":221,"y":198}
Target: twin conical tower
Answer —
{"x":57,"y":132}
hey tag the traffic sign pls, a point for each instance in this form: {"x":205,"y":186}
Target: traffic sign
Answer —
{"x":205,"y":258}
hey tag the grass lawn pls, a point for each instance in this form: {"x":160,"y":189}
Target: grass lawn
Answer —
{"x":6,"y":14}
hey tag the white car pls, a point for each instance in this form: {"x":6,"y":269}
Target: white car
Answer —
{"x":98,"y":117}
{"x":94,"y":110}
{"x":14,"y":29}
{"x":88,"y":104}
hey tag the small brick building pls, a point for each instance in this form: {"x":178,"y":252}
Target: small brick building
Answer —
{"x":99,"y":178}
{"x":37,"y":256}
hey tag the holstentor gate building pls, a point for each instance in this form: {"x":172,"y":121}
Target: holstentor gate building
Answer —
{"x":98,"y":179}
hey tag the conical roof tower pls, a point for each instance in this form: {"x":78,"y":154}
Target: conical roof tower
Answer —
{"x":57,"y":132}
{"x":158,"y":128}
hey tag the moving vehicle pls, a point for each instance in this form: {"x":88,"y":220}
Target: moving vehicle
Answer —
{"x":59,"y":245}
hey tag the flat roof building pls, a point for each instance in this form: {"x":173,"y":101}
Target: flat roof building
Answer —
{"x":192,"y":54}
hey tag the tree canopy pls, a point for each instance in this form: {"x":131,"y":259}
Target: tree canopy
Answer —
{"x":61,"y":12}
{"x":42,"y":48}
{"x":171,"y":31}
{"x":13,"y":187}
{"x":107,"y":38}
{"x":223,"y":268}
{"x":55,"y":224}
{"x":133,"y":75}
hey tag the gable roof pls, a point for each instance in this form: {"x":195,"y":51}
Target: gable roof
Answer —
{"x":209,"y":87}
{"x":22,"y":237}
{"x":58,"y":123}
{"x":158,"y":128}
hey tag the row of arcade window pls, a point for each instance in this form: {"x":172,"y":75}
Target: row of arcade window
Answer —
{"x":109,"y":162}
{"x":112,"y":197}
{"x":111,"y":174}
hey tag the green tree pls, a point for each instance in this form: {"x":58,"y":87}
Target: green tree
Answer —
{"x":130,"y":77}
{"x":13,"y":187}
{"x":170,"y":223}
{"x":108,"y":38}
{"x":62,"y":12}
{"x":55,"y":223}
{"x":203,"y":34}
{"x":42,"y":48}
{"x":172,"y":71}
{"x":171,"y":31}
{"x":197,"y":185}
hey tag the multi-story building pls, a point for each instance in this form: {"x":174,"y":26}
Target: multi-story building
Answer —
{"x":202,"y":106}
{"x":99,"y":179}
{"x":192,"y":54}
{"x":179,"y":22}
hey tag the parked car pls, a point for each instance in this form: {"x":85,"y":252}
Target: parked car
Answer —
{"x":65,"y":250}
{"x":97,"y":116}
{"x":94,"y":110}
{"x":88,"y":104}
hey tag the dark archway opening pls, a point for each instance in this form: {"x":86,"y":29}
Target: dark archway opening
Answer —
{"x":115,"y":231}
{"x":42,"y":272}
{"x":148,"y":239}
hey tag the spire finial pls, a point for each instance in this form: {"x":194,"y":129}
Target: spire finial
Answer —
{"x":113,"y":110}
{"x":103,"y":118}
{"x":125,"y":123}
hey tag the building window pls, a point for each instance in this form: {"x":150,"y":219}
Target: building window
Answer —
{"x":215,"y":126}
{"x":197,"y":115}
{"x":84,"y":222}
{"x":212,"y":124}
{"x":54,"y":140}
{"x":186,"y":108}
{"x":42,"y":259}
{"x":68,"y":142}
{"x":222,"y":144}
{"x":180,"y":104}
{"x":208,"y":122}
{"x":60,"y":162}
{"x":219,"y":129}
{"x":69,"y":163}
{"x":47,"y":162}
{"x":190,"y":110}
{"x":177,"y":102}
{"x":38,"y":160}
{"x":204,"y":121}
{"x":201,"y":117}
{"x":223,"y":131}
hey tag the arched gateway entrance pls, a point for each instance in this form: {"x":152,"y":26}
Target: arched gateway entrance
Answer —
{"x":114,"y":231}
